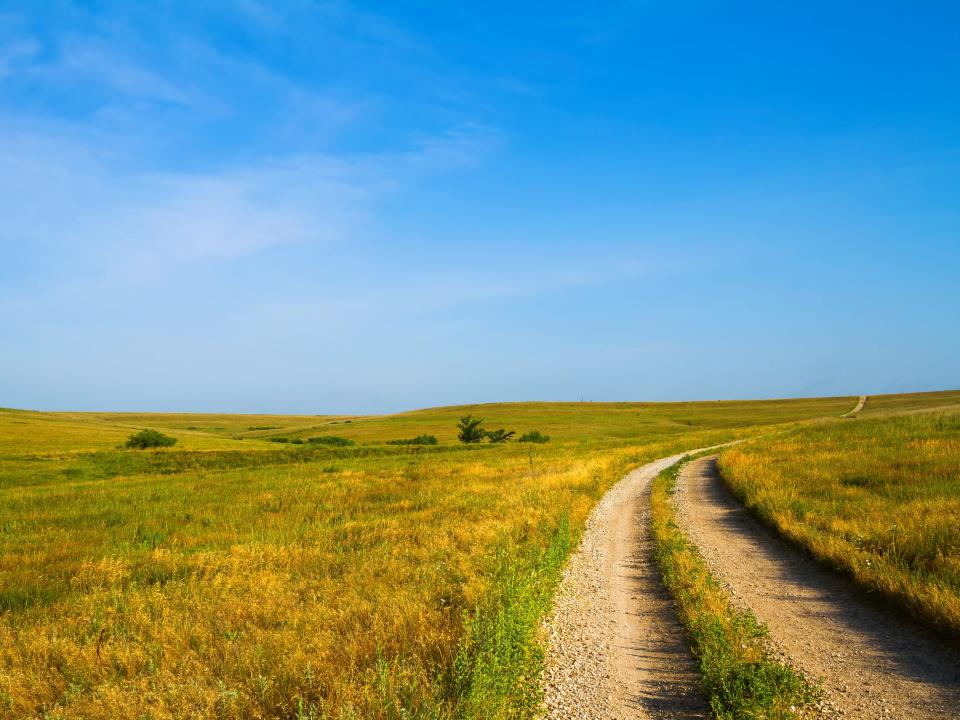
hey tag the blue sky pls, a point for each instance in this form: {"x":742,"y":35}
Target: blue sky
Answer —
{"x":334,"y":207}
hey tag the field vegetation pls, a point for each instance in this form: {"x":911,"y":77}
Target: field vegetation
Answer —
{"x":149,"y":439}
{"x":234,"y":577}
{"x":878,"y":498}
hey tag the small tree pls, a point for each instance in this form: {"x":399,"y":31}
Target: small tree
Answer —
{"x":469,"y":430}
{"x":499,"y":436}
{"x":149,"y":439}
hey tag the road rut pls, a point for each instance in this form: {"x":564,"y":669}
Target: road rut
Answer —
{"x":614,"y":647}
{"x":873,"y":663}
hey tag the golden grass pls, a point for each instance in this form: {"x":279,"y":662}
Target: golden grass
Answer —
{"x":877,"y":498}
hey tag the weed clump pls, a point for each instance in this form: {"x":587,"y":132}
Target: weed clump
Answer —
{"x":534,"y":436}
{"x":331,"y":440}
{"x":149,"y":439}
{"x":418,"y":440}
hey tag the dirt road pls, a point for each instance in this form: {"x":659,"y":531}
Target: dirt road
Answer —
{"x":873,"y":664}
{"x":615,"y":649}
{"x":859,"y":406}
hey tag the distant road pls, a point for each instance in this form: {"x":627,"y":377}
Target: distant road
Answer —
{"x":860,"y":403}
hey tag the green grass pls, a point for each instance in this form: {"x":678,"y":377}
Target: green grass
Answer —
{"x":877,"y":498}
{"x":740,"y":679}
{"x":234,"y":577}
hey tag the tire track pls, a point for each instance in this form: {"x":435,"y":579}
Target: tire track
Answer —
{"x":614,"y":647}
{"x":873,"y":664}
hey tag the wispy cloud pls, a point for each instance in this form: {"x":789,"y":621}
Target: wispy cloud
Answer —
{"x":60,"y":200}
{"x":112,"y":183}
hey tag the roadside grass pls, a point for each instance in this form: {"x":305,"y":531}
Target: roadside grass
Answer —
{"x":739,"y":677}
{"x":240,"y":578}
{"x":878,"y":499}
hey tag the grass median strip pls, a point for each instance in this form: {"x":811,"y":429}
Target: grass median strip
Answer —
{"x":739,"y":677}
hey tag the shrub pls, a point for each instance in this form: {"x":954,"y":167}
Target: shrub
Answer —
{"x":499,"y":436}
{"x":149,"y":439}
{"x":534,"y":436}
{"x":418,"y":440}
{"x":331,"y":440}
{"x":469,"y":430}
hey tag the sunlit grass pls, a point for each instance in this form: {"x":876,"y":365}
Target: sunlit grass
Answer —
{"x":878,"y":498}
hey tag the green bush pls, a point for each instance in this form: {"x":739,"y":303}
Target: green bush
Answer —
{"x":331,"y":440}
{"x":418,"y":440}
{"x":534,"y":436}
{"x":149,"y":439}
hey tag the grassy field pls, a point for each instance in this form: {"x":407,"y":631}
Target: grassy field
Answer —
{"x":234,"y":577}
{"x":878,"y":498}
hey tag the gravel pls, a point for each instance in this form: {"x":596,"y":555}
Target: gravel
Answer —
{"x":614,"y":647}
